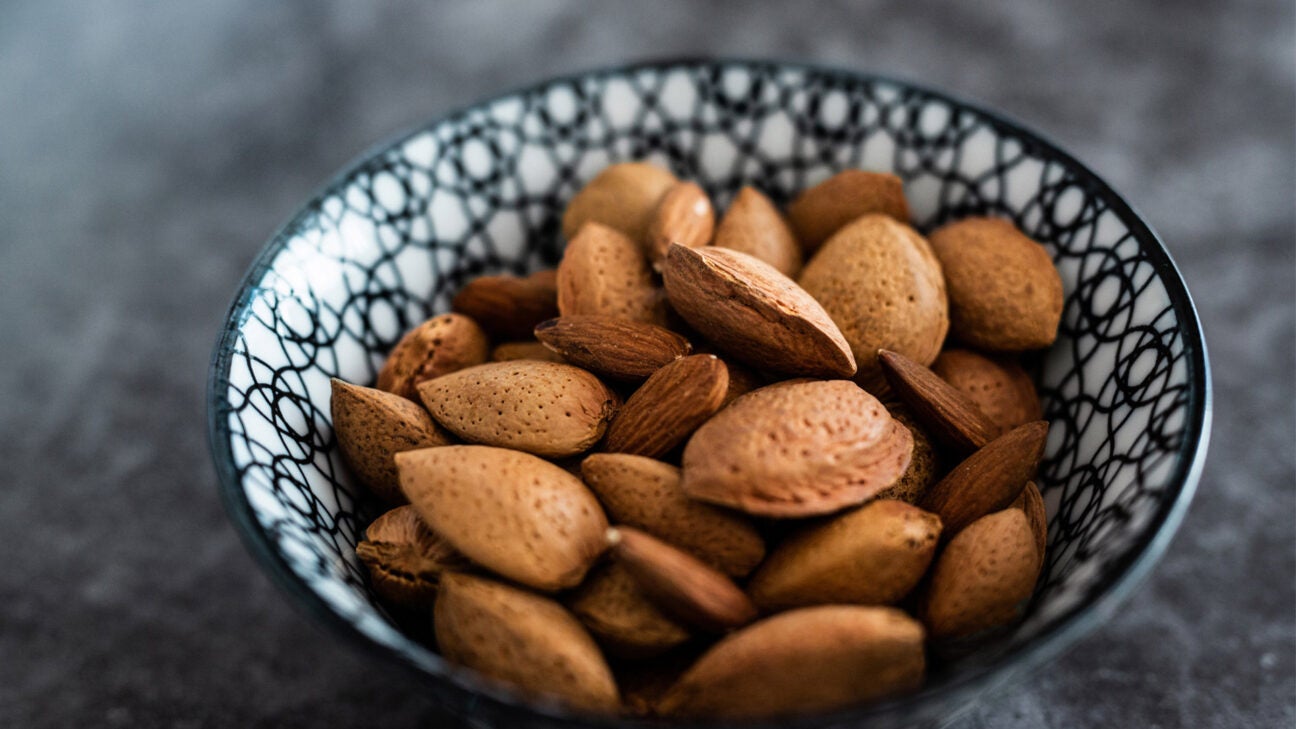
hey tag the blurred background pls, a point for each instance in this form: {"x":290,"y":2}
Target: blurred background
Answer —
{"x":147,"y":150}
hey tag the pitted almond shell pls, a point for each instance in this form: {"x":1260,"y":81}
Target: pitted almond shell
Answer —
{"x":754,"y":226}
{"x":925,"y":468}
{"x":797,"y":449}
{"x":996,"y":384}
{"x":605,"y":273}
{"x":405,"y":559}
{"x":822,"y":210}
{"x":372,"y":426}
{"x":684,"y":215}
{"x":623,"y":197}
{"x":517,"y":515}
{"x":439,"y":346}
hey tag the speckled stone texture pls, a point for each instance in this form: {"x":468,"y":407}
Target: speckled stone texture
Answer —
{"x":148,"y":150}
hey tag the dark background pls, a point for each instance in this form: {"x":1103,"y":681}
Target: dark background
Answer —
{"x":148,"y":150}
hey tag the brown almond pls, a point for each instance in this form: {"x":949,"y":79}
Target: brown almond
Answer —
{"x":754,"y":313}
{"x":1031,"y":502}
{"x":669,"y":406}
{"x":873,"y":555}
{"x":646,"y":494}
{"x":925,"y":467}
{"x":439,"y":346}
{"x":622,"y":619}
{"x":988,"y":480}
{"x":507,"y":306}
{"x":514,"y":351}
{"x":981,"y":577}
{"x":1005,"y":293}
{"x":796,"y":449}
{"x":549,"y":409}
{"x":684,"y":215}
{"x":405,"y":559}
{"x":622,"y":349}
{"x":998,"y":386}
{"x":822,"y":210}
{"x":524,"y":640}
{"x":754,"y":226}
{"x":513,"y":513}
{"x":605,"y":273}
{"x":372,"y":426}
{"x":882,"y":285}
{"x":949,"y":415}
{"x":679,"y":583}
{"x":813,"y":659}
{"x":623,"y":197}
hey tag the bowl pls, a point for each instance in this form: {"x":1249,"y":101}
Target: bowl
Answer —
{"x":389,"y":240}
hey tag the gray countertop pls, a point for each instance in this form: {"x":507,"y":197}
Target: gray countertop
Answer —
{"x":147,"y":151}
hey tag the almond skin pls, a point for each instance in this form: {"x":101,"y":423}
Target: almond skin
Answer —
{"x":545,"y":408}
{"x":623,"y":197}
{"x":439,"y":346}
{"x":998,"y":386}
{"x":750,"y":311}
{"x":982,"y":576}
{"x":808,"y":660}
{"x":372,"y":426}
{"x":669,"y":406}
{"x":621,"y":349}
{"x":819,"y":212}
{"x":879,"y":281}
{"x":513,"y":513}
{"x":796,"y":449}
{"x":405,"y":559}
{"x":988,"y":480}
{"x":525,"y":640}
{"x":605,"y":273}
{"x":509,"y":307}
{"x":947,"y":413}
{"x":513,"y":351}
{"x":679,"y":583}
{"x":622,"y":619}
{"x":754,"y":226}
{"x":1005,"y":293}
{"x":684,"y":215}
{"x":873,"y":555}
{"x":646,"y":494}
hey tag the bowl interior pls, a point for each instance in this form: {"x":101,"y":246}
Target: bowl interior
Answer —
{"x":390,"y":241}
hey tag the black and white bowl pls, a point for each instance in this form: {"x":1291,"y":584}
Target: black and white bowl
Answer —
{"x":389,"y":241}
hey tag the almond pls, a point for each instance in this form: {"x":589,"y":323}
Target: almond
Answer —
{"x":990,"y":479}
{"x":622,"y":349}
{"x":1031,"y":502}
{"x":873,"y":555}
{"x":527,"y":641}
{"x":684,"y":215}
{"x":925,"y":467}
{"x":604,"y":273}
{"x":622,"y":619}
{"x":646,"y":494}
{"x":438,"y":346}
{"x":998,"y":386}
{"x":517,"y":515}
{"x":679,"y":583}
{"x":809,"y":660}
{"x":405,"y":559}
{"x":796,"y":449}
{"x":623,"y":197}
{"x":372,"y":426}
{"x":754,"y":226}
{"x":822,"y":210}
{"x":879,"y":281}
{"x":513,"y":351}
{"x":949,"y":415}
{"x":751,"y":311}
{"x":509,"y":307}
{"x":669,"y":406}
{"x":1005,"y":293}
{"x":549,"y":409}
{"x":982,"y":576}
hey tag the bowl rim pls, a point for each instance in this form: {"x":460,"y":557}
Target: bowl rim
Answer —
{"x":1056,"y":636}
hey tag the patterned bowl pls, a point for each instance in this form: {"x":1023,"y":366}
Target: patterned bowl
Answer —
{"x":390,"y":239}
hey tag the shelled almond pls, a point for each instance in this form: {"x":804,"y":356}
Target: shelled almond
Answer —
{"x":788,"y":465}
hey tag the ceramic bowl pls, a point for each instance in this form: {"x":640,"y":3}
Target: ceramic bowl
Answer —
{"x":390,"y":239}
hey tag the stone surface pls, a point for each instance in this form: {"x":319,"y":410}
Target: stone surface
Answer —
{"x":148,"y":150}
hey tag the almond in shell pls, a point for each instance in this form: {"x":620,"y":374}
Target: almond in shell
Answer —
{"x":925,"y":467}
{"x":623,"y":197}
{"x":822,"y":210}
{"x":605,"y":273}
{"x":372,"y":426}
{"x":754,"y":226}
{"x":622,"y":619}
{"x":405,"y":559}
{"x":669,"y":406}
{"x":507,"y":306}
{"x":439,"y":346}
{"x":621,"y":349}
{"x":520,"y":516}
{"x":684,"y":215}
{"x":998,"y":386}
{"x":528,"y":642}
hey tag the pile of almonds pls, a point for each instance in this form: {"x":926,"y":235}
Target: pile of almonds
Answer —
{"x":809,"y":433}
